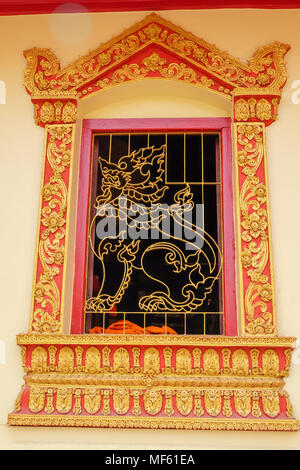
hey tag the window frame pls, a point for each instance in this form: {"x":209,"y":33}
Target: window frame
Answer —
{"x":93,"y":126}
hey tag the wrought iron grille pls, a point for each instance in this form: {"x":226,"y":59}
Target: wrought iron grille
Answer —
{"x":154,"y":263}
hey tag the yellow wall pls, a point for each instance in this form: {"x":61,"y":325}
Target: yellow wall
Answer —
{"x":239,"y":32}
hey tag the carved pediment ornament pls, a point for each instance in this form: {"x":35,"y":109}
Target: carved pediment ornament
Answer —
{"x":151,"y":48}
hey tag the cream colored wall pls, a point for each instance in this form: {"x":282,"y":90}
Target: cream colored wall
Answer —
{"x":239,"y":32}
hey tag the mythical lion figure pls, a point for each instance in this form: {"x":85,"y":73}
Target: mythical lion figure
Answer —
{"x":138,"y":179}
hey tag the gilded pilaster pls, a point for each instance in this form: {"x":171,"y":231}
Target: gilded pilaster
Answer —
{"x":252,"y":112}
{"x":52,"y":237}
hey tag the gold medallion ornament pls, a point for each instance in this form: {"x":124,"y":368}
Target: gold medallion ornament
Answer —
{"x":184,"y":402}
{"x":153,"y":401}
{"x":92,"y":361}
{"x":64,"y":400}
{"x":92,"y":400}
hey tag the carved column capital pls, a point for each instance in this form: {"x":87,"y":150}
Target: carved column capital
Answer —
{"x":255,"y":105}
{"x":55,"y":110}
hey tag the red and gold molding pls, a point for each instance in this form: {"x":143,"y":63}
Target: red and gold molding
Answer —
{"x":48,"y":288}
{"x":198,"y":383}
{"x":254,"y":238}
{"x":182,"y":382}
{"x":259,"y":105}
{"x":154,"y":48}
{"x":55,"y":111}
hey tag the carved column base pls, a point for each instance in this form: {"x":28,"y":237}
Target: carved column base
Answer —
{"x":218,"y":383}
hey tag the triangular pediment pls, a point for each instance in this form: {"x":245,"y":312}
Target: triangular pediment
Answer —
{"x":156,"y":48}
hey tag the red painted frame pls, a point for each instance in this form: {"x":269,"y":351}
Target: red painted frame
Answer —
{"x":91,"y":126}
{"x":25,"y":7}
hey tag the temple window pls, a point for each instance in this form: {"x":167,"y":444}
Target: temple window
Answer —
{"x":155,"y":235}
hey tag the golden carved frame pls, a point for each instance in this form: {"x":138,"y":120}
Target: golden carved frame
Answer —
{"x":184,"y":382}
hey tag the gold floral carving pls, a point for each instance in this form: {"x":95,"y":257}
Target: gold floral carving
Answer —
{"x":52,"y":358}
{"x":259,"y":109}
{"x":242,"y":402}
{"x":196,"y":358}
{"x":18,"y":405}
{"x":58,"y":105}
{"x":254,"y":354}
{"x":47,"y":112}
{"x":92,"y":400}
{"x":211,"y":362}
{"x":79,"y":353}
{"x":255,"y":252}
{"x":213,"y":402}
{"x":245,"y":362}
{"x":121,"y":400}
{"x":208,"y":382}
{"x":136,"y":352}
{"x":256,"y":408}
{"x":106,"y":352}
{"x":47,"y":294}
{"x":183,"y":361}
{"x":226,"y":353}
{"x":49,"y":408}
{"x":69,"y":112}
{"x":151,"y":361}
{"x":167,"y":352}
{"x":242,"y":112}
{"x":263,"y":110}
{"x":23,"y":357}
{"x":270,"y":363}
{"x":216,"y":401}
{"x":64,"y":399}
{"x":240,"y":362}
{"x":153,"y":401}
{"x":157,"y":423}
{"x":184,"y":402}
{"x":77,"y":402}
{"x":36,"y":399}
{"x":227,"y":409}
{"x":136,"y":410}
{"x":66,"y":360}
{"x":169,"y":409}
{"x":54,"y":111}
{"x":270,"y":402}
{"x":39,"y":360}
{"x":49,"y":66}
{"x":266,"y":68}
{"x":232,"y":390}
{"x":154,"y":63}
{"x":198,"y":408}
{"x":121,"y":360}
{"x":288,"y":358}
{"x":92,"y":363}
{"x":106,"y":401}
{"x":171,"y":340}
{"x":289,"y":408}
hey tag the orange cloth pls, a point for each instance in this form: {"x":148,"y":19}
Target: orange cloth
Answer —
{"x":113,"y":311}
{"x":130,"y":328}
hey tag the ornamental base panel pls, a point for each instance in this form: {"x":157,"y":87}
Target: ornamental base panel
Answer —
{"x":203,"y":424}
{"x":216,"y":383}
